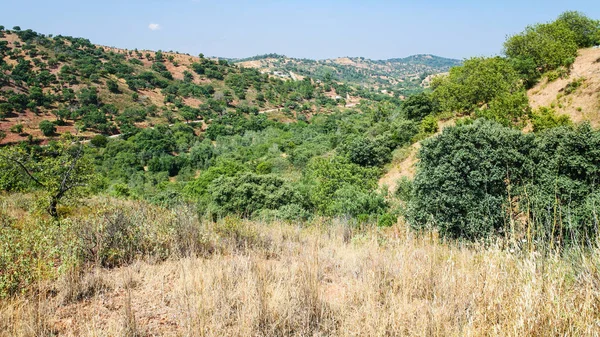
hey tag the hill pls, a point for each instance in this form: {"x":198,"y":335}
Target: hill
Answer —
{"x":400,"y":75}
{"x":279,"y":223}
{"x":576,"y":94}
{"x":85,"y":89}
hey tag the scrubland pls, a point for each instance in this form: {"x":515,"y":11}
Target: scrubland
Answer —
{"x":170,"y":274}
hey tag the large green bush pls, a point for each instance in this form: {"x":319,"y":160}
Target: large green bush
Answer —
{"x":329,"y":180}
{"x":480,"y":179}
{"x":564,"y":196}
{"x":474,"y":84}
{"x":419,"y":106}
{"x":367,"y":152}
{"x":47,"y":128}
{"x":247,"y":193}
{"x":462,"y":177}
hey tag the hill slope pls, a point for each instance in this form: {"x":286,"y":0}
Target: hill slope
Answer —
{"x":577,"y":94}
{"x":86,"y":89}
{"x":404,"y":75}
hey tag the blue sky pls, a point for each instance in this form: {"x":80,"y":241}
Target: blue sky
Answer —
{"x":313,"y":29}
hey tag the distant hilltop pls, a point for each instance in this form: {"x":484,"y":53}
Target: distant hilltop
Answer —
{"x":404,"y":75}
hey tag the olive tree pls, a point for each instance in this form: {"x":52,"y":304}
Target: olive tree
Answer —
{"x":60,"y":171}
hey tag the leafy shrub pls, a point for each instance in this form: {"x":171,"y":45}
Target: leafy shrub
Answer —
{"x":353,"y":201}
{"x":508,"y":109}
{"x":461,"y":182}
{"x":112,"y":86}
{"x":246,"y":193}
{"x":117,"y":235}
{"x":290,"y":212}
{"x":573,"y":85}
{"x":17,"y":128}
{"x":199,"y":188}
{"x":404,"y":187}
{"x":239,"y":232}
{"x":419,"y":106}
{"x":553,"y":75}
{"x":99,"y":141}
{"x":546,"y":118}
{"x":367,"y":152}
{"x":264,"y":167}
{"x":28,"y":254}
{"x":121,"y":190}
{"x":327,"y":176}
{"x":47,"y":128}
{"x":386,"y":220}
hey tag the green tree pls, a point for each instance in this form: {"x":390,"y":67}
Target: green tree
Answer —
{"x":325,"y":176}
{"x":99,"y":141}
{"x":188,"y":113}
{"x":474,"y":84}
{"x":188,"y":77}
{"x":419,"y":106}
{"x":548,"y":45}
{"x":60,"y":170}
{"x":367,"y":152}
{"x":508,"y":109}
{"x":463,"y":176}
{"x":113,"y":86}
{"x":48,"y":128}
{"x":247,"y":193}
{"x":88,"y":96}
{"x":586,"y":30}
{"x":5,"y":109}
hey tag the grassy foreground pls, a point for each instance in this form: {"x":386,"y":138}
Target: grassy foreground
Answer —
{"x":177,"y":276}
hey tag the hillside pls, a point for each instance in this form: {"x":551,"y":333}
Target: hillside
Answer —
{"x":577,"y":94}
{"x":86,"y":89}
{"x":243,"y":278}
{"x":213,"y":199}
{"x":401,"y":75}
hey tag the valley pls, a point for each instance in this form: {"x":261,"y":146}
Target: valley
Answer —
{"x":155,"y":193}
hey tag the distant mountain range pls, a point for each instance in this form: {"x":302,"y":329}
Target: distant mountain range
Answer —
{"x":403,"y":75}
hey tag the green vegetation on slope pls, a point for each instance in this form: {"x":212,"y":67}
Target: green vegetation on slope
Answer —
{"x":402,"y":76}
{"x":477,"y":179}
{"x":86,"y":89}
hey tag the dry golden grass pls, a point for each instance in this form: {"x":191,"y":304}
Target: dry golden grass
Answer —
{"x":581,"y":105}
{"x":321,"y":280}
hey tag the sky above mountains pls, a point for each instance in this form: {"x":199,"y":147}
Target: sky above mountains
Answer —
{"x":374,"y":29}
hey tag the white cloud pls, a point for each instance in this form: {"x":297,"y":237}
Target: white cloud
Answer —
{"x":154,"y":26}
